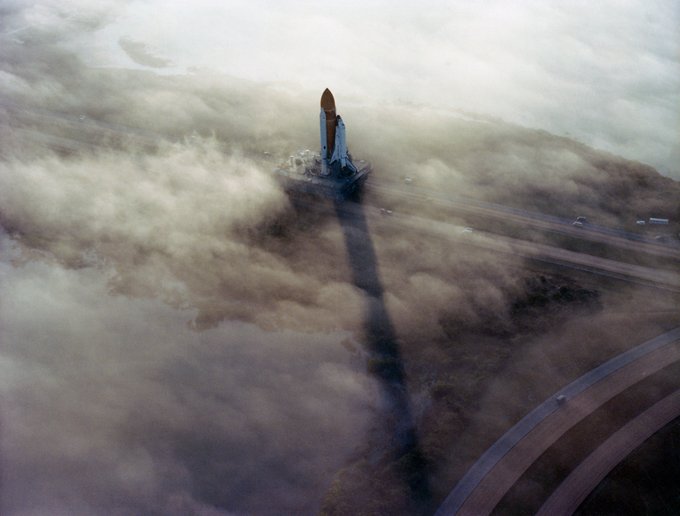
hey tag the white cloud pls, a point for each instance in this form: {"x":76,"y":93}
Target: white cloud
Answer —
{"x":112,"y":404}
{"x":606,"y":73}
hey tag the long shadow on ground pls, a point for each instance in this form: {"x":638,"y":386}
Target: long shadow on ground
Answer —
{"x":385,"y":362}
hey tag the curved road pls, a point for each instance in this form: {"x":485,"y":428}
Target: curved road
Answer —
{"x":487,"y":481}
{"x":587,"y":475}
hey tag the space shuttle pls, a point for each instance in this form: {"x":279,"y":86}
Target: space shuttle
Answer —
{"x":335,"y":158}
{"x":331,"y":173}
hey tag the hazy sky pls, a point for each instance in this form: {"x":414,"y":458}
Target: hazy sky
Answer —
{"x":606,"y":72}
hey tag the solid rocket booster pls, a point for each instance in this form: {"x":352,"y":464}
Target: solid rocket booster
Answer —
{"x":334,"y":154}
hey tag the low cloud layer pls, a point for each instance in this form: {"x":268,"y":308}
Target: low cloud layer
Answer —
{"x":111,"y":405}
{"x":178,"y":337}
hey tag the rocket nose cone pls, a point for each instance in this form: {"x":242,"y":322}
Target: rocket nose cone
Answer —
{"x":327,"y":100}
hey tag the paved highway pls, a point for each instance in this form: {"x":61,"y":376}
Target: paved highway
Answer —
{"x":668,"y":280}
{"x":587,"y":475}
{"x":487,"y":481}
{"x":658,"y":278}
{"x":592,"y":232}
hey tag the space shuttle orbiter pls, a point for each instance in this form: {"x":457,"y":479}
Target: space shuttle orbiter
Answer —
{"x":335,"y":158}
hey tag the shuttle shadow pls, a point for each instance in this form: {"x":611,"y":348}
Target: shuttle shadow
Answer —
{"x":385,"y":362}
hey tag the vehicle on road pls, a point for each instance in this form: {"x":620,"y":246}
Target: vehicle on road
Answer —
{"x":580,"y":221}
